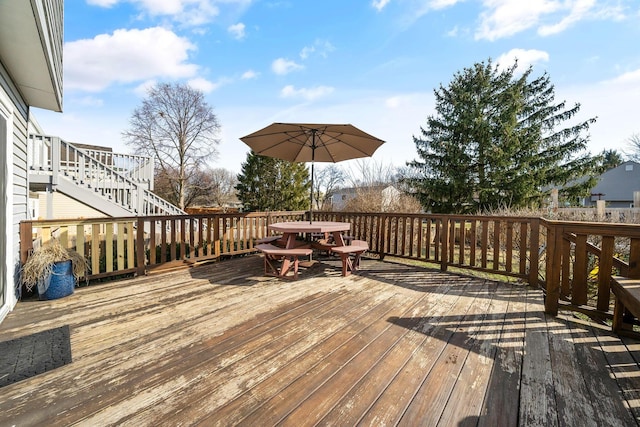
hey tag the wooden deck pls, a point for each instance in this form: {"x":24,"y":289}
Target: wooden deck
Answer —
{"x":393,"y":345}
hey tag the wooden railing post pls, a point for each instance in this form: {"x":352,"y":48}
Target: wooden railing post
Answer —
{"x":380,"y":236}
{"x":634,"y":259}
{"x":444,"y":242}
{"x":26,"y":240}
{"x":554,"y":259}
{"x":534,"y":252}
{"x":605,"y":265}
{"x":140,"y":255}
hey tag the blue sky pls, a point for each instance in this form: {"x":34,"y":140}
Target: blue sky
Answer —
{"x":374,"y":64}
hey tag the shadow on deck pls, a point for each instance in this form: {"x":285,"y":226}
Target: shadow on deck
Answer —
{"x":393,"y":345}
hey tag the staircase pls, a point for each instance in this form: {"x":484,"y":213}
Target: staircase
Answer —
{"x":114,"y":184}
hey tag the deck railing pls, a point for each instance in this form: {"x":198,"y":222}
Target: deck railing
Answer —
{"x":137,"y":168}
{"x":572,"y":261}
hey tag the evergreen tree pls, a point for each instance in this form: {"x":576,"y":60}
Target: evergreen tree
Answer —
{"x":610,"y":159}
{"x":494,"y":142}
{"x":269,"y":184}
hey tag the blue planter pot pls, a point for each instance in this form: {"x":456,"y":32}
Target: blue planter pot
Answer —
{"x":62,"y":281}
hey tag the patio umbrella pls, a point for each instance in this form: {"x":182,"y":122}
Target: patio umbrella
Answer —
{"x":304,"y":142}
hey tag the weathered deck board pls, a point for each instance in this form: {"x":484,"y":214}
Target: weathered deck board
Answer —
{"x":394,"y":345}
{"x":591,"y":358}
{"x":501,"y":401}
{"x":359,"y":399}
{"x":465,"y":402}
{"x":537,"y":395}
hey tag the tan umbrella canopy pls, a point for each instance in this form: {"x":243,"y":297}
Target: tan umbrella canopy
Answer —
{"x":305,"y":142}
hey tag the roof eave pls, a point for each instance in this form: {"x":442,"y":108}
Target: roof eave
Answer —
{"x":31,"y":50}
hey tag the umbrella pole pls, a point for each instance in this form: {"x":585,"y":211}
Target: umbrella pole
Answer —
{"x":313,"y":157}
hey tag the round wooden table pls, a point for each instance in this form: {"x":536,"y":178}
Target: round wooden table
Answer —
{"x":291,"y":229}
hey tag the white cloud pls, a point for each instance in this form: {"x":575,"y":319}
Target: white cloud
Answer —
{"x":142,"y":90}
{"x":399,"y":104}
{"x":283,"y":66}
{"x":306,"y":93}
{"x":579,"y":10}
{"x":103,"y":3}
{"x":249,"y":74}
{"x":442,"y":4}
{"x":237,"y":30}
{"x":91,"y":101}
{"x":187,"y":12}
{"x":452,"y":32}
{"x":525,"y":58}
{"x":126,"y":56}
{"x":321,"y":47}
{"x":419,"y":8}
{"x":379,"y":4}
{"x":632,"y":77}
{"x":504,"y":18}
{"x":393,"y":102}
{"x":306,"y":51}
{"x":203,"y":85}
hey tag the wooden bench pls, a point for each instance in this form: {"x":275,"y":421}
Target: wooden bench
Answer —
{"x":323,"y":245}
{"x":356,"y":248}
{"x":327,"y":243}
{"x":288,"y":257}
{"x":627,"y":302}
{"x":269,"y":239}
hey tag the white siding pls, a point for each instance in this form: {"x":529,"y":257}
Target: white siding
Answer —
{"x":65,"y":207}
{"x":14,"y":197}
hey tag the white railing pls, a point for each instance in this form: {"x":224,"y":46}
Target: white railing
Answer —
{"x":137,"y":168}
{"x":53,"y":156}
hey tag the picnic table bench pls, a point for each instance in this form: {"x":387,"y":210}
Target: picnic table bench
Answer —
{"x":269,"y":239}
{"x":355,"y":248}
{"x":627,"y":303}
{"x":288,"y":257}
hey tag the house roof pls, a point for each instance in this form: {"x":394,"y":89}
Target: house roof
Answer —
{"x":31,"y":49}
{"x":619,"y":183}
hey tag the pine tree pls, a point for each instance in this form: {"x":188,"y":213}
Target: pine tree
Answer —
{"x":269,"y":184}
{"x":494,"y":142}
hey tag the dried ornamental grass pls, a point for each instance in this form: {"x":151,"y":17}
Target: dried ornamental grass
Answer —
{"x":38,"y":269}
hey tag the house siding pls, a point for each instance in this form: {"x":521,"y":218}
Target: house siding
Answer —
{"x":616,"y":186}
{"x":21,"y":75}
{"x":65,"y":207}
{"x":15,"y":201}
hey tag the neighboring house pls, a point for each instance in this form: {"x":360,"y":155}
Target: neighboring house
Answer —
{"x":617,"y":186}
{"x":30,"y":76}
{"x":341,"y":196}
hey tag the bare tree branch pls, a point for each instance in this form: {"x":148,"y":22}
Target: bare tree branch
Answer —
{"x":177,"y":127}
{"x":633,"y":145}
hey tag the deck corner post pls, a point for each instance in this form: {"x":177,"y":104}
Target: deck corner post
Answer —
{"x":26,"y":240}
